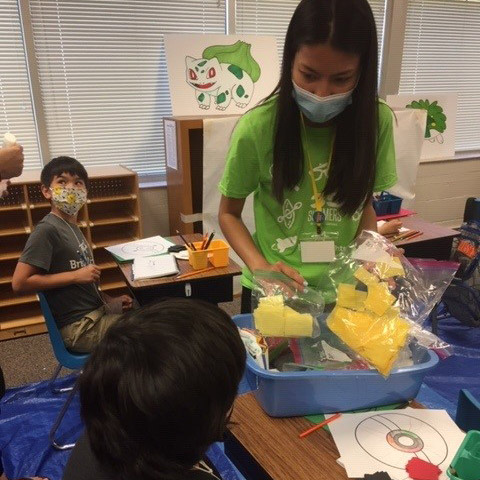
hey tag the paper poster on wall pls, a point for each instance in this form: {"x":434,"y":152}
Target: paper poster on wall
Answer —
{"x":220,"y":74}
{"x":171,"y":143}
{"x":441,"y":108}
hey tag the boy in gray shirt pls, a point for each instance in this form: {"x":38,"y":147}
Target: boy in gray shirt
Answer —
{"x":57,"y":260}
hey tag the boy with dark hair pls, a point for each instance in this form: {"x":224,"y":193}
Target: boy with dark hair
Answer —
{"x":57,"y":260}
{"x":157,"y":392}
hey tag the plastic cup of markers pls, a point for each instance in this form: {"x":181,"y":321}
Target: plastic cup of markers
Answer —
{"x":197,"y":259}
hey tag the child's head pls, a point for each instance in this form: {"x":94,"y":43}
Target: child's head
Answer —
{"x":330,"y":49}
{"x":330,"y":45}
{"x":158,"y":389}
{"x":65,"y":182}
{"x":64,"y":171}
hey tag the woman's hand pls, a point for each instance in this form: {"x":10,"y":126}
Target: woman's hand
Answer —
{"x":297,"y":283}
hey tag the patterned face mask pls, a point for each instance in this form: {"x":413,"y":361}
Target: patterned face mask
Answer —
{"x":69,"y":200}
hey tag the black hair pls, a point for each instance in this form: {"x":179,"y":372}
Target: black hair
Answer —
{"x":157,"y":390}
{"x":347,"y":26}
{"x":60,"y":165}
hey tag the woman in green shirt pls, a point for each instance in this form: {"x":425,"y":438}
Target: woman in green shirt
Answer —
{"x":314,"y":151}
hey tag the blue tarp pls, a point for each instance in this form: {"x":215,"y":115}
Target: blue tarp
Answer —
{"x":27,"y":413}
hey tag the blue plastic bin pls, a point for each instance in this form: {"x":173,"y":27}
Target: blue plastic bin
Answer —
{"x":387,"y":204}
{"x":289,"y":394}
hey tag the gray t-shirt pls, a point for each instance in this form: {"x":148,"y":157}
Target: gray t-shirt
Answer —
{"x":56,"y":246}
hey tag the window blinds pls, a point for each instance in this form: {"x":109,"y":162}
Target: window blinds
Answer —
{"x":16,"y":113}
{"x":442,"y":54}
{"x":103,"y":74}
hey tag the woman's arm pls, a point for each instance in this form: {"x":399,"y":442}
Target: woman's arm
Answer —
{"x":369,"y":219}
{"x":238,"y":236}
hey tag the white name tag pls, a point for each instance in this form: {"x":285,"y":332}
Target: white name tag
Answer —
{"x":315,"y":252}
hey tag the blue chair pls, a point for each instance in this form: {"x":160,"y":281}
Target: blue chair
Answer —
{"x":65,"y":358}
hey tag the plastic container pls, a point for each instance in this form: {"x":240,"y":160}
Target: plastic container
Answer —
{"x":387,"y":204}
{"x":218,"y":253}
{"x":289,"y":394}
{"x":197,"y":259}
{"x":466,"y":463}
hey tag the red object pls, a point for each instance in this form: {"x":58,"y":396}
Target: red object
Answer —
{"x":419,"y":469}
{"x":320,"y":425}
{"x":400,"y":214}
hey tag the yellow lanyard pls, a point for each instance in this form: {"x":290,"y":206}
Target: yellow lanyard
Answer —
{"x":318,"y":216}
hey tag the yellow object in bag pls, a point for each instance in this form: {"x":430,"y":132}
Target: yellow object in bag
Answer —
{"x":349,"y":297}
{"x":378,"y":339}
{"x":379,"y":298}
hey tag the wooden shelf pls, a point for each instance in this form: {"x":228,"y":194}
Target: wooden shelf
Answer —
{"x":15,"y":231}
{"x":10,"y":255}
{"x":20,"y":300}
{"x":13,"y":208}
{"x":40,"y":205}
{"x":112,"y":285}
{"x":5,"y":279}
{"x":112,"y":198}
{"x":36,"y":319}
{"x":107,"y":265}
{"x":113,"y":221}
{"x":107,"y":243}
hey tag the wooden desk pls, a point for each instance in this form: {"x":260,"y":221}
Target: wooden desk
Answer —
{"x":435,"y":242}
{"x":214,"y":286}
{"x":266,"y":448}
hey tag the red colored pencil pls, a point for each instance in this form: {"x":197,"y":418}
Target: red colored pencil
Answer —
{"x":320,"y":425}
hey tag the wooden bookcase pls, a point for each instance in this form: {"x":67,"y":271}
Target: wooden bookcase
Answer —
{"x":111,"y":215}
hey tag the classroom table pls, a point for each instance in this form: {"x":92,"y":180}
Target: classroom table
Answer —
{"x":435,"y":241}
{"x":214,"y":286}
{"x":266,"y":448}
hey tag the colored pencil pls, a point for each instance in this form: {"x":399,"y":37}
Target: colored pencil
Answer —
{"x":189,"y":245}
{"x":205,"y":238}
{"x":194,"y":272}
{"x":414,"y":236}
{"x":209,"y":240}
{"x":404,"y":235}
{"x":320,"y":425}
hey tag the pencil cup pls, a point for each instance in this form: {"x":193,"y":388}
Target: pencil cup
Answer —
{"x":197,"y":258}
{"x":218,"y":253}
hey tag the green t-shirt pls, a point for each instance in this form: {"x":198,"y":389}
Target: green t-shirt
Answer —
{"x":281,"y":227}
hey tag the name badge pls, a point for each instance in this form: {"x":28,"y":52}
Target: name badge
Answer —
{"x":316,"y":251}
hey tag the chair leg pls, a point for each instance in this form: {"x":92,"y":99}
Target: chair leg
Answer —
{"x":59,"y":419}
{"x":52,"y":382}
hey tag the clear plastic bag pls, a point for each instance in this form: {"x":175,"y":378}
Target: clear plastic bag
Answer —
{"x":280,"y":310}
{"x":383,"y":301}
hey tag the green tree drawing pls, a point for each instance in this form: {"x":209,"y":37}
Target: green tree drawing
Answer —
{"x":436,"y":119}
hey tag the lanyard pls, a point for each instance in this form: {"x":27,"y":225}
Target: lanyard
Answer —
{"x":318,"y":215}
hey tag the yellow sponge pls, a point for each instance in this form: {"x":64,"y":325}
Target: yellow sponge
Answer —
{"x":378,"y":339}
{"x":297,"y":324}
{"x":365,"y":276}
{"x":273,"y":300}
{"x":349,"y":297}
{"x":379,"y":298}
{"x":269,"y":320}
{"x":388,"y":270}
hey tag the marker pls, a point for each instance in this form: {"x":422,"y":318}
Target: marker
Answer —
{"x":320,"y":425}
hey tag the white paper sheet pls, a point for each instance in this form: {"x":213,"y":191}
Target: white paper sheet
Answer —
{"x":153,"y":267}
{"x":386,"y":440}
{"x":140,"y":248}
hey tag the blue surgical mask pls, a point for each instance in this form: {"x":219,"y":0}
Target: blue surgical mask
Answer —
{"x":321,"y":109}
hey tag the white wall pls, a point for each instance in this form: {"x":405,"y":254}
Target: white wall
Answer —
{"x":443,"y":187}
